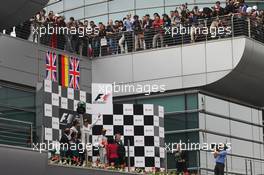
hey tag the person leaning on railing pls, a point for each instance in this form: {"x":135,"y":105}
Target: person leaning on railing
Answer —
{"x":136,"y":26}
{"x":158,"y":31}
{"x":148,"y":31}
{"x":151,"y":34}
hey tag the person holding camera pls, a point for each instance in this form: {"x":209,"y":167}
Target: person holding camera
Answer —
{"x":220,"y":157}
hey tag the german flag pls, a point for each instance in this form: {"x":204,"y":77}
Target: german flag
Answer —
{"x":64,"y":70}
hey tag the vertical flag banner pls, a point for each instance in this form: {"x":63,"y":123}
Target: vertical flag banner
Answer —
{"x":64,"y":70}
{"x":51,"y":66}
{"x":74,"y":72}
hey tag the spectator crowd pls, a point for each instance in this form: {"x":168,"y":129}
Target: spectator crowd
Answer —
{"x":134,"y":33}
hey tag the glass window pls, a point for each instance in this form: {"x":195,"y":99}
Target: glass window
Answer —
{"x":95,"y":10}
{"x":171,"y":104}
{"x":77,"y":14}
{"x":87,"y":2}
{"x":171,"y":163}
{"x":119,"y":16}
{"x":191,"y":137}
{"x":126,"y":102}
{"x":148,"y":3}
{"x":150,"y":11}
{"x":192,"y":120}
{"x":121,"y":5}
{"x":181,"y":121}
{"x":193,"y":159}
{"x":16,"y":98}
{"x":69,"y":4}
{"x":178,"y":2}
{"x":210,"y":1}
{"x":192,"y":101}
{"x":175,"y":138}
{"x":175,"y":122}
{"x":56,"y":7}
{"x":20,"y":99}
{"x":98,"y":19}
{"x":53,"y":1}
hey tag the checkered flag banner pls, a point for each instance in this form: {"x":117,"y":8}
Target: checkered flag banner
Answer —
{"x":142,"y":125}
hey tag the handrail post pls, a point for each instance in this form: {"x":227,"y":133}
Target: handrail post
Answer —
{"x":205,"y":23}
{"x":246,"y":166}
{"x":226,"y":166}
{"x":251,"y":171}
{"x":128,"y":155}
{"x":232,"y":25}
{"x":198,"y":163}
{"x":249,"y":27}
{"x":166,"y":161}
{"x":31,"y":135}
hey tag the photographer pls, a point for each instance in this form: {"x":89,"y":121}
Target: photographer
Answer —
{"x":181,"y":160}
{"x":220,"y":157}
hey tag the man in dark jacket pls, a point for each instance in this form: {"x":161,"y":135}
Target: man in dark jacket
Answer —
{"x":64,"y":143}
{"x":148,"y":32}
{"x":136,"y":26}
{"x":121,"y":150}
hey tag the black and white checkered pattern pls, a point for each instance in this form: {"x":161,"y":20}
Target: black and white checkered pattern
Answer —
{"x":142,"y":124}
{"x":60,"y":105}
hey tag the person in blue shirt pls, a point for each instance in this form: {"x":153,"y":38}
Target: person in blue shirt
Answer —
{"x":128,"y":22}
{"x":220,"y":157}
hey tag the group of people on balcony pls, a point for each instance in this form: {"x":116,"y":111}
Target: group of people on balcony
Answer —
{"x":134,"y":33}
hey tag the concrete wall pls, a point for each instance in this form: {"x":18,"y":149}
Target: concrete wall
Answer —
{"x":23,"y":62}
{"x":176,"y":67}
{"x":24,"y":161}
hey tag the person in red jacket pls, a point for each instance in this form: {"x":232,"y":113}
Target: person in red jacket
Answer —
{"x":157,"y":26}
{"x":112,"y":152}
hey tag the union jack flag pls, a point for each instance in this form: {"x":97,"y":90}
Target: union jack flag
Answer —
{"x":51,"y":66}
{"x":74,"y":73}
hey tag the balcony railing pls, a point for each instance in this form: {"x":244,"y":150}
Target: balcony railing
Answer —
{"x":149,"y":38}
{"x":16,"y":133}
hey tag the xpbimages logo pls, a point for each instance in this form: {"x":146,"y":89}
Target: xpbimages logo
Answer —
{"x":147,"y":89}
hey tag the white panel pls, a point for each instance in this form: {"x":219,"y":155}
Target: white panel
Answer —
{"x":238,"y":49}
{"x":216,"y":106}
{"x":238,"y":165}
{"x":257,"y":167}
{"x":193,"y":59}
{"x":157,"y":64}
{"x":213,"y":76}
{"x":256,"y":133}
{"x":212,"y":139}
{"x":240,"y":112}
{"x":261,"y":135}
{"x":194,"y":80}
{"x":114,"y":69}
{"x":242,"y":130}
{"x":202,"y":121}
{"x":203,"y":159}
{"x":128,"y":109}
{"x":218,"y":55}
{"x":255,"y":116}
{"x":217,"y":124}
{"x":118,"y":120}
{"x":257,"y":149}
{"x":241,"y":147}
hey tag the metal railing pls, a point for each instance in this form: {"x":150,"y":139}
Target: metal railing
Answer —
{"x":104,"y":44}
{"x":16,"y":133}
